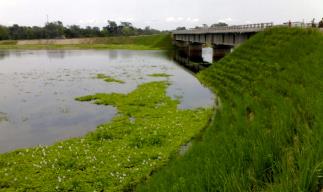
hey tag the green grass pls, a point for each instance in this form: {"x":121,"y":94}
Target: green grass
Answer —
{"x":268,"y":133}
{"x":109,"y":79}
{"x":147,"y":131}
{"x":159,"y":75}
{"x":148,"y":42}
{"x":8,"y":42}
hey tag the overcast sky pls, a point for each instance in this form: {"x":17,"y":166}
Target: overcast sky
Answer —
{"x":160,"y":14}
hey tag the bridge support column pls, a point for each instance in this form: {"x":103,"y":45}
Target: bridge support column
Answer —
{"x":219,"y":51}
{"x":195,"y":52}
{"x":182,"y":48}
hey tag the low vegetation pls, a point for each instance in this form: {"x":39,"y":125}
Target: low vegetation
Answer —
{"x":146,"y":42}
{"x":159,"y":75}
{"x":109,"y":79}
{"x":56,"y":29}
{"x":147,"y":131}
{"x":267,"y":136}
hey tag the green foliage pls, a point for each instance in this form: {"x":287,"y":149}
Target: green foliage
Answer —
{"x":159,"y":75}
{"x":56,"y":29}
{"x":4,"y":33}
{"x":117,"y":155}
{"x":108,"y":78}
{"x":267,"y":136}
{"x":147,"y":42}
{"x":219,"y":24}
{"x":160,"y":41}
{"x":7,"y":43}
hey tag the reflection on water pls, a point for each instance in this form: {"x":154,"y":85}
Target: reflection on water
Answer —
{"x":3,"y":54}
{"x":3,"y":117}
{"x":207,"y":54}
{"x":59,"y":54}
{"x":38,"y":89}
{"x":181,"y":57}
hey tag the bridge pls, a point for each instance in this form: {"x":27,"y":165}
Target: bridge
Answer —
{"x":221,"y":39}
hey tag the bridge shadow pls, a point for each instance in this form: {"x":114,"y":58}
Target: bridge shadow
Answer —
{"x":194,"y":64}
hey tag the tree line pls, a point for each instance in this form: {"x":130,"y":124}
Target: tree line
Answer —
{"x":55,"y":30}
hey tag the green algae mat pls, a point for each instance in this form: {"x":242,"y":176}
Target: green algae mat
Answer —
{"x":108,"y":78}
{"x":147,"y":131}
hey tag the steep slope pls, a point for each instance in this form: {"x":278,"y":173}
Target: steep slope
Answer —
{"x":268,"y":134}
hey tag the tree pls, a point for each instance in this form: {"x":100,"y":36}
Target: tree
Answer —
{"x":57,"y":30}
{"x":112,"y":27}
{"x":16,"y":32}
{"x":220,"y":24}
{"x":180,"y":28}
{"x":321,"y":23}
{"x":73,"y":31}
{"x":127,"y":28}
{"x":54,"y":29}
{"x":4,"y":33}
{"x":126,"y":24}
{"x":38,"y":33}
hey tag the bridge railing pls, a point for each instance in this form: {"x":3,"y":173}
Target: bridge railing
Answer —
{"x":235,"y":28}
{"x":248,"y":26}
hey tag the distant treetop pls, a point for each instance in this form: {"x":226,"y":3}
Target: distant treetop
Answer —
{"x":56,"y":30}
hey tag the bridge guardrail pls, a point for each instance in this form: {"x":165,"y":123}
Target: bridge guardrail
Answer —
{"x":234,"y":28}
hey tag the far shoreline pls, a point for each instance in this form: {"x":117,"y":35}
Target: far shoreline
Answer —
{"x":143,"y":42}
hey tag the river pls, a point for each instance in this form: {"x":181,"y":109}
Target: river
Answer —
{"x":38,"y":89}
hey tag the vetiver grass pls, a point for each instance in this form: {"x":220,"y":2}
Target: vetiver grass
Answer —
{"x":268,"y":133}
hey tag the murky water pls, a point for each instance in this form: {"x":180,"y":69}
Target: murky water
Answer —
{"x":38,"y":88}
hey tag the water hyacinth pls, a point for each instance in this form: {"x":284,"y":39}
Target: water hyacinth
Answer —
{"x":148,"y":129}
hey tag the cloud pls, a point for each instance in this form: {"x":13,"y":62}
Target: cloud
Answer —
{"x":9,"y":3}
{"x":170,"y":19}
{"x":181,"y":19}
{"x":226,"y":20}
{"x":89,"y":22}
{"x":126,"y":19}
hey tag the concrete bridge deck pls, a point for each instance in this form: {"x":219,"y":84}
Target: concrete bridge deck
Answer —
{"x":222,"y":39}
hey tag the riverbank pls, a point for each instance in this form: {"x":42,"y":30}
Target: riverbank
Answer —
{"x":267,"y":136}
{"x":147,"y":42}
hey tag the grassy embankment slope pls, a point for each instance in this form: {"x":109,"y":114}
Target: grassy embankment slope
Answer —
{"x":148,"y":42}
{"x":268,"y":134}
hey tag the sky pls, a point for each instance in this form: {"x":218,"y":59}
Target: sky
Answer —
{"x":158,"y":14}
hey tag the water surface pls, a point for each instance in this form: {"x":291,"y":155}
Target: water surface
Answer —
{"x":38,"y":88}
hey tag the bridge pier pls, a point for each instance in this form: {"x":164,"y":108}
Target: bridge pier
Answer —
{"x":195,"y":52}
{"x":219,"y":51}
